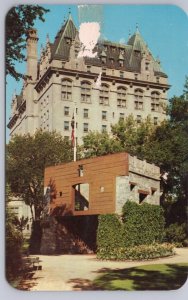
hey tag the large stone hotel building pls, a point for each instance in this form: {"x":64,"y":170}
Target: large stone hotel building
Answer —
{"x":132,"y":82}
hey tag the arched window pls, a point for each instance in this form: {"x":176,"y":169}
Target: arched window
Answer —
{"x":66,"y":89}
{"x":104,"y":94}
{"x":86,"y":91}
{"x":155,"y":97}
{"x":138,"y":99}
{"x":121,"y":96}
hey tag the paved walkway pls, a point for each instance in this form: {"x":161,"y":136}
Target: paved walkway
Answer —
{"x":64,"y":272}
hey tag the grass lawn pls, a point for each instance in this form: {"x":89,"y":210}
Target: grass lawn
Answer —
{"x":148,"y":277}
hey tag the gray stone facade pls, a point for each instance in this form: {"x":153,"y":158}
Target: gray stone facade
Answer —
{"x":132,"y":82}
{"x":141,"y":185}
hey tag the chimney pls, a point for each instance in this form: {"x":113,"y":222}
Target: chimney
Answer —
{"x":32,"y":40}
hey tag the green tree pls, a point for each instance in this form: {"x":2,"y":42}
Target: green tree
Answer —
{"x":125,"y":136}
{"x":20,"y":223}
{"x":19,"y":20}
{"x":27,"y":157}
{"x":14,"y":242}
{"x":133,"y":137}
{"x":99,"y":143}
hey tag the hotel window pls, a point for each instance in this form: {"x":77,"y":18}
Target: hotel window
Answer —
{"x":155,"y":120}
{"x":86,"y":113}
{"x":88,"y":69}
{"x":138,"y":99}
{"x":112,"y":60}
{"x":121,"y":116}
{"x":121,"y":63}
{"x":121,"y":74}
{"x":47,"y":114}
{"x":147,"y":66}
{"x":66,"y":89}
{"x":103,"y":71}
{"x":86,"y":127}
{"x":47,"y":100}
{"x":121,"y":97}
{"x":104,"y":115}
{"x":85,"y":92}
{"x":66,"y":125}
{"x":104,"y":127}
{"x":139,"y":119}
{"x":66,"y":111}
{"x":155,"y":97}
{"x":104,"y":94}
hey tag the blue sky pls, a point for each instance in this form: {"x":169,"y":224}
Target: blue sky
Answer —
{"x":163,"y":27}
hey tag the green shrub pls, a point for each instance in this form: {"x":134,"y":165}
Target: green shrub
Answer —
{"x":141,"y":252}
{"x":176,"y":233}
{"x":109,"y":232}
{"x":14,"y":242}
{"x":143,"y":224}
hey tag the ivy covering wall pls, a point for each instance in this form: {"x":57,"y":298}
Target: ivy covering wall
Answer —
{"x":137,"y":234}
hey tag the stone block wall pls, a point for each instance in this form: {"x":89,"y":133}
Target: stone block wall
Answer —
{"x":68,"y":235}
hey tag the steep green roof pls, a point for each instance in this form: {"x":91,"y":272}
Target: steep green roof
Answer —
{"x":61,"y":46}
{"x":130,"y":54}
{"x":137,"y":42}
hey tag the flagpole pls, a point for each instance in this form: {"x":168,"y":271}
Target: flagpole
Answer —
{"x":75,"y":132}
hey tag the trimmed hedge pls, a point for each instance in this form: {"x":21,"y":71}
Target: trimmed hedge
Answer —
{"x":109,"y":232}
{"x":143,"y":224}
{"x":137,"y":236}
{"x":142,"y":252}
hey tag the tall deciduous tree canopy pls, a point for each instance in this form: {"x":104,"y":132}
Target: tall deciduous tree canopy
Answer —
{"x":27,"y":157}
{"x":18,"y":20}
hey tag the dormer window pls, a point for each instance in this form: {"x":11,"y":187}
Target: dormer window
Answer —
{"x":121,"y":63}
{"x":103,"y":60}
{"x":137,"y":53}
{"x":147,"y":66}
{"x":103,"y":57}
{"x":111,"y":60}
{"x":68,"y":40}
